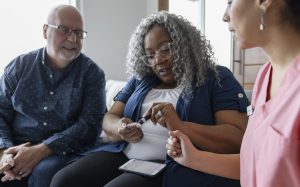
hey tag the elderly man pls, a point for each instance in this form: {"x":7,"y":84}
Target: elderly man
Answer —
{"x":52,"y":102}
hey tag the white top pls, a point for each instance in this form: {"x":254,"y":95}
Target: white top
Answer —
{"x":153,"y":145}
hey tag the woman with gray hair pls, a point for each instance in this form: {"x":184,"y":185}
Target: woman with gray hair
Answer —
{"x":175,"y":83}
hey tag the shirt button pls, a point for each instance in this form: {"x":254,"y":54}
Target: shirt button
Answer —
{"x":45,"y":108}
{"x":51,"y":76}
{"x":240,"y":95}
{"x":51,"y":92}
{"x":64,"y":153}
{"x":45,"y":123}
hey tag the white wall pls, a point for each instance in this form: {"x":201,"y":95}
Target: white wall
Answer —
{"x":109,"y":24}
{"x":217,"y":31}
{"x":22,"y":30}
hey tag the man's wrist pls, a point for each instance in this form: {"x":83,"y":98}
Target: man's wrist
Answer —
{"x":44,"y":150}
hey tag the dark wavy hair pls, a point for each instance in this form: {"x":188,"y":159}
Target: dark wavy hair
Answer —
{"x":193,"y":58}
{"x":291,"y":13}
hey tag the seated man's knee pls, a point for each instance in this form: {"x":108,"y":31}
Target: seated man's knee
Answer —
{"x":46,"y":169}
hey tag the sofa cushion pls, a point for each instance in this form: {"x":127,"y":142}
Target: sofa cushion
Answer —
{"x":112,"y":88}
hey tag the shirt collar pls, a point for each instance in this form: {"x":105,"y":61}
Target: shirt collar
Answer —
{"x":45,"y":59}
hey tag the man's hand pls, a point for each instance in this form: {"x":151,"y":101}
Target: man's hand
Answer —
{"x":6,"y":161}
{"x":6,"y":164}
{"x":27,"y":157}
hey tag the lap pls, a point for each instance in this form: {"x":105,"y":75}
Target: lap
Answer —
{"x":52,"y":162}
{"x":178,"y":175}
{"x":15,"y":183}
{"x":41,"y":174}
{"x":134,"y":180}
{"x":95,"y":169}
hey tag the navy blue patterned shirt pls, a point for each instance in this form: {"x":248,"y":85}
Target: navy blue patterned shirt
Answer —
{"x":63,"y":109}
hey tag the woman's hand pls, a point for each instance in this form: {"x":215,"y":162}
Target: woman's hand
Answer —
{"x":181,"y":149}
{"x":130,"y":131}
{"x":165,"y":115}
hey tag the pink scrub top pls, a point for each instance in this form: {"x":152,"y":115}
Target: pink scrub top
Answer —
{"x":270,"y":152}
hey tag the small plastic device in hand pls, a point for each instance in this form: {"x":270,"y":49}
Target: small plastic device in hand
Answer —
{"x":142,"y":121}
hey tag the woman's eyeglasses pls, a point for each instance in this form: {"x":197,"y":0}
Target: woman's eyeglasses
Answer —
{"x":164,"y":53}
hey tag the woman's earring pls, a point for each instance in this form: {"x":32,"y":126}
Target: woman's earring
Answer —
{"x":262,"y":21}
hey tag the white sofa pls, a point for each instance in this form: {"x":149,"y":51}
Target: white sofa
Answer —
{"x":112,"y":88}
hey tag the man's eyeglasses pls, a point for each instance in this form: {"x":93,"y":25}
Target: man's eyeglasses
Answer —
{"x":164,"y":53}
{"x":63,"y":30}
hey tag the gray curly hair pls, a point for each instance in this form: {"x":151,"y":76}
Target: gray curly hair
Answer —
{"x":192,"y":53}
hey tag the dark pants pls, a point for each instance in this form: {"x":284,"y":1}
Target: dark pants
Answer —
{"x":177,"y":175}
{"x":101,"y":169}
{"x":134,"y":180}
{"x":15,"y":183}
{"x":42,"y":174}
